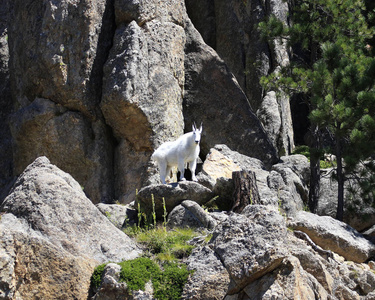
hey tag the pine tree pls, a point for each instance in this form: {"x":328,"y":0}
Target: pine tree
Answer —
{"x":333,"y":68}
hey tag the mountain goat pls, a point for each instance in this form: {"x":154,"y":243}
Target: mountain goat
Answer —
{"x":184,"y":150}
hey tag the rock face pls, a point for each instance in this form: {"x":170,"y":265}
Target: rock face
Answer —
{"x":143,"y":83}
{"x":56,"y":79}
{"x":52,"y":236}
{"x":115,"y":79}
{"x":208,"y":86}
{"x":6,"y":156}
{"x":230,"y":27}
{"x":357,"y":213}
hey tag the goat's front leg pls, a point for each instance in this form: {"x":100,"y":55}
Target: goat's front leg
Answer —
{"x":192,"y":167}
{"x":181,"y":168}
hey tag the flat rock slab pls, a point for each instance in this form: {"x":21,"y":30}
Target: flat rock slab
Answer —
{"x":173,"y":195}
{"x":331,"y":234}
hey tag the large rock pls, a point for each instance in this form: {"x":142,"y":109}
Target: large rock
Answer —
{"x":273,"y":263}
{"x":70,"y":140}
{"x":32,"y":267}
{"x":357,"y":213}
{"x":52,"y":236}
{"x":284,"y":186}
{"x":251,"y":244}
{"x":56,"y":80}
{"x":6,"y":156}
{"x":172,"y":195}
{"x":213,"y":96}
{"x":334,"y":235}
{"x":190,"y":214}
{"x":143,"y":87}
{"x":210,"y":279}
{"x":61,"y":63}
{"x":231,"y":28}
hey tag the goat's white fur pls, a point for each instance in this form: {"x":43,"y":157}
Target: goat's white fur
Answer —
{"x":178,"y":153}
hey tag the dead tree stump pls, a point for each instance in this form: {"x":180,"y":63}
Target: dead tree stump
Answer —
{"x":245,"y":190}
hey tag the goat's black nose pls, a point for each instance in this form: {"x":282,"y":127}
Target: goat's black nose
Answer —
{"x":197,"y":142}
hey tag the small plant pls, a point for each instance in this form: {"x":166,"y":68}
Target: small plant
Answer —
{"x":165,"y":213}
{"x":153,"y":210}
{"x":171,"y":282}
{"x":96,"y":277}
{"x":167,"y":284}
{"x":137,"y":272}
{"x":167,"y":245}
{"x":302,"y":149}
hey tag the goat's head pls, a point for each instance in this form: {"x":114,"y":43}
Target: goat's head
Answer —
{"x":197,"y":133}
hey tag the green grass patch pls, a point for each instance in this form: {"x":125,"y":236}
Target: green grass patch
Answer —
{"x":167,"y":245}
{"x":96,"y":277}
{"x":168,"y":282}
{"x":137,"y":272}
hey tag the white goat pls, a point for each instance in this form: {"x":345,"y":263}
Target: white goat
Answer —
{"x":184,"y":150}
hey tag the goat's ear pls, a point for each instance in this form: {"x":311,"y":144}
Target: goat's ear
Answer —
{"x":200,"y":129}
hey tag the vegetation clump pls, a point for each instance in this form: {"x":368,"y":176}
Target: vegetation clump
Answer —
{"x":96,"y":277}
{"x":160,"y":265}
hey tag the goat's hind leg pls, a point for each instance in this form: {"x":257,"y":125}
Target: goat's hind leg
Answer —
{"x":192,"y":167}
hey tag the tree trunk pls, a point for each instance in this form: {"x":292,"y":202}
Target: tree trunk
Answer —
{"x":314,"y":191}
{"x":340,"y":182}
{"x":245,"y":190}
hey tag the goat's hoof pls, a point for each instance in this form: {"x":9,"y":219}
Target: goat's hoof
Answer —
{"x":182,"y":179}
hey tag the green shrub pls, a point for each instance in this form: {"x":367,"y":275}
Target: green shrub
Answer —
{"x":171,"y":282}
{"x":96,"y":277}
{"x":170,"y":243}
{"x":167,"y":284}
{"x":137,"y":272}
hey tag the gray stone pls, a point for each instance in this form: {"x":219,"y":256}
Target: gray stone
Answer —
{"x":70,"y":140}
{"x":331,"y":234}
{"x":251,"y":244}
{"x":190,"y":214}
{"x":210,"y":279}
{"x":357,"y":213}
{"x":142,"y":88}
{"x":119,"y":215}
{"x":231,"y":28}
{"x":53,"y":204}
{"x":173,"y":195}
{"x":211,"y":87}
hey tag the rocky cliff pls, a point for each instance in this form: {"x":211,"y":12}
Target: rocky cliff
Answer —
{"x":52,"y":236}
{"x":96,"y":86}
{"x":90,"y":88}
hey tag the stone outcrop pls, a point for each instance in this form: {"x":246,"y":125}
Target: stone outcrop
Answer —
{"x":334,"y":235}
{"x":234,"y":266}
{"x":230,"y":27}
{"x":284,"y":186}
{"x":172,"y":195}
{"x":213,"y":96}
{"x":190,"y":214}
{"x":115,"y":79}
{"x":52,"y":236}
{"x":56,"y":78}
